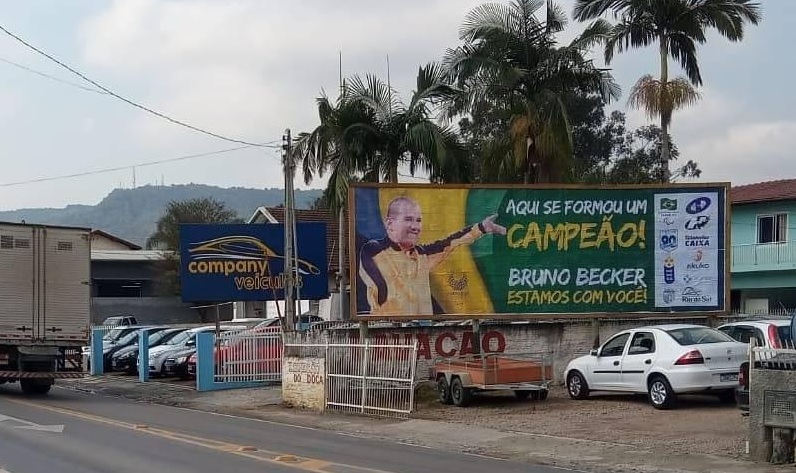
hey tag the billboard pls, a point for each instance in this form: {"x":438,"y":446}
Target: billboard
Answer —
{"x":441,"y":252}
{"x":240,"y":262}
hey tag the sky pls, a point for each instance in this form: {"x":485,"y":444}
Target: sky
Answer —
{"x":250,"y":69}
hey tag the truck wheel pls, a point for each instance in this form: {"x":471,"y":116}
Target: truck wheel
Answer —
{"x":35,"y":387}
{"x":444,"y":390}
{"x":461,"y":396}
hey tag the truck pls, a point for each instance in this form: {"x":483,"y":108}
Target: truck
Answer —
{"x":45,"y":303}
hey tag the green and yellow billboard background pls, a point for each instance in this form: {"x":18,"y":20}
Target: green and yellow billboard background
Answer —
{"x":573,"y":250}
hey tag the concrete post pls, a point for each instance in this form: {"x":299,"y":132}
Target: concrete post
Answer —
{"x":143,"y":355}
{"x":97,"y":363}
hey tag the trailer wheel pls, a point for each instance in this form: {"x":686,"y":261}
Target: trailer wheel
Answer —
{"x":444,"y":390}
{"x":542,"y":394}
{"x":523,"y":394}
{"x":461,"y":396}
{"x":34,"y":387}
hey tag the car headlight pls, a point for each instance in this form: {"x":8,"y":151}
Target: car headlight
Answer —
{"x":181,"y":360}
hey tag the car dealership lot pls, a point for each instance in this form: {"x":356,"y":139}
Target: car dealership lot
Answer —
{"x":700,"y":424}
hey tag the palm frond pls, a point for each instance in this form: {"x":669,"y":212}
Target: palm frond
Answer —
{"x":660,"y":99}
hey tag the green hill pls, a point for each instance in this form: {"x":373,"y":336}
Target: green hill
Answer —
{"x":132,"y":213}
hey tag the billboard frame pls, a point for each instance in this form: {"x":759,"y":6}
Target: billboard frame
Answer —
{"x":352,"y":254}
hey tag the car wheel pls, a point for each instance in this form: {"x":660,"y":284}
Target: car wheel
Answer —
{"x":461,"y":396}
{"x":660,"y":393}
{"x":577,"y":386}
{"x":444,"y":390}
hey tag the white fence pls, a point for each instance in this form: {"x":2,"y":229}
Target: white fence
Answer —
{"x":783,"y":358}
{"x":252,"y":355}
{"x":367,"y":378}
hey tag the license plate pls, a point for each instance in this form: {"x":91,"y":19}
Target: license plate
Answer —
{"x":726,"y":378}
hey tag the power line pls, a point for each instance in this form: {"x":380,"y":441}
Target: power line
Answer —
{"x":121,"y":168}
{"x":57,"y":79}
{"x":128,"y":101}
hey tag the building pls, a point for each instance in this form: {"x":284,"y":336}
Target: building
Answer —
{"x":124,"y":281}
{"x":763,"y":270}
{"x":328,"y":309}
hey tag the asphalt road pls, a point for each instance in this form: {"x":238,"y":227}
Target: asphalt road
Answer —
{"x":74,"y":432}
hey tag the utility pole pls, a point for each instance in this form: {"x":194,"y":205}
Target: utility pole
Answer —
{"x":289,"y":259}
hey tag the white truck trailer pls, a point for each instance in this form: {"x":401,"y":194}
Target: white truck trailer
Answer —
{"x":45,"y":303}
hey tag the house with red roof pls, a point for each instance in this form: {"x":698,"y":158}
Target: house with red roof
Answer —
{"x":763,"y":236}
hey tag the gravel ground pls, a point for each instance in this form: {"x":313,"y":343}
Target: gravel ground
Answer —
{"x":699,"y":424}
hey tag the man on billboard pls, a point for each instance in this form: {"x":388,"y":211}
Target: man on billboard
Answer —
{"x":396,"y":269}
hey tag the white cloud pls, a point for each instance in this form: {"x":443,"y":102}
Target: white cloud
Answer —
{"x":747,"y":153}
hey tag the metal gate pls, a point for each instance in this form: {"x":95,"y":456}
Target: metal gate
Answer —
{"x":249,"y":356}
{"x":371,"y":378}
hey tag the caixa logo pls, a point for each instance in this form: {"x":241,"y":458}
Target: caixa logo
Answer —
{"x":700,"y":204}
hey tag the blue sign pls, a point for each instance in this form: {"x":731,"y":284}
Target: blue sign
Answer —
{"x":240,"y":262}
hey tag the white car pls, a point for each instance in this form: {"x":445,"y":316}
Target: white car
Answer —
{"x":767,"y":332}
{"x":662,"y":361}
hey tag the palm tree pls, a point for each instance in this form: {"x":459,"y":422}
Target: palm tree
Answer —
{"x":677,"y":26}
{"x":511,"y":59}
{"x":408,"y":133}
{"x":343,"y":144}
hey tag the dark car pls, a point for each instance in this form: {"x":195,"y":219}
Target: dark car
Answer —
{"x":125,"y":358}
{"x":123,"y":343}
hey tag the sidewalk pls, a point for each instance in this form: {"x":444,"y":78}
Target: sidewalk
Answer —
{"x":585,"y":455}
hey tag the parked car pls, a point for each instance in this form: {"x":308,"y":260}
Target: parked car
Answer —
{"x":111,"y":339}
{"x":257,"y":350}
{"x":122,"y":319}
{"x":125,"y":358}
{"x":766,"y":332}
{"x":662,"y":361}
{"x":181,"y":342}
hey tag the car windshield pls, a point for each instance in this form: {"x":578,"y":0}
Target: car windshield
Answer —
{"x":128,"y":338}
{"x":698,"y":335}
{"x":114,"y":334}
{"x":179,"y":339}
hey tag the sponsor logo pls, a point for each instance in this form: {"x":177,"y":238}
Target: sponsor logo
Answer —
{"x":698,"y":255}
{"x":668,"y":270}
{"x":668,"y":205}
{"x":692,"y":295}
{"x":697,"y":266}
{"x":668,"y":239}
{"x":697,"y":240}
{"x":669,"y":220}
{"x":698,"y":205}
{"x":691,"y":280}
{"x":457,"y":282}
{"x":668,"y":296}
{"x":697,"y":223}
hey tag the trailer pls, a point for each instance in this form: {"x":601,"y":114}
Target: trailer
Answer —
{"x":458,"y":379}
{"x":45,"y":303}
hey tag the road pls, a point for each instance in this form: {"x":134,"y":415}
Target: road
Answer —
{"x":75,"y":432}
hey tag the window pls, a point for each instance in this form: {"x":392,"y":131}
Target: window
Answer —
{"x":744,"y":333}
{"x":22,"y":243}
{"x":643,"y":343}
{"x":6,"y":242}
{"x":615,"y":346}
{"x":64,"y":246}
{"x":772,"y":228}
{"x":698,"y":335}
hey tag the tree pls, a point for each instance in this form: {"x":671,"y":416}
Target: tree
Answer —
{"x":614,"y":155}
{"x":407,"y":132}
{"x":677,"y":26}
{"x":167,"y":234}
{"x":510,"y":62}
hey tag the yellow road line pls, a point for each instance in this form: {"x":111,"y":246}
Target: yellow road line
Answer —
{"x":280,"y":458}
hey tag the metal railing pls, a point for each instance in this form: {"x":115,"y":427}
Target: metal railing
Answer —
{"x":783,"y":358}
{"x":764,"y":254}
{"x":370,"y":378}
{"x":252,"y":355}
